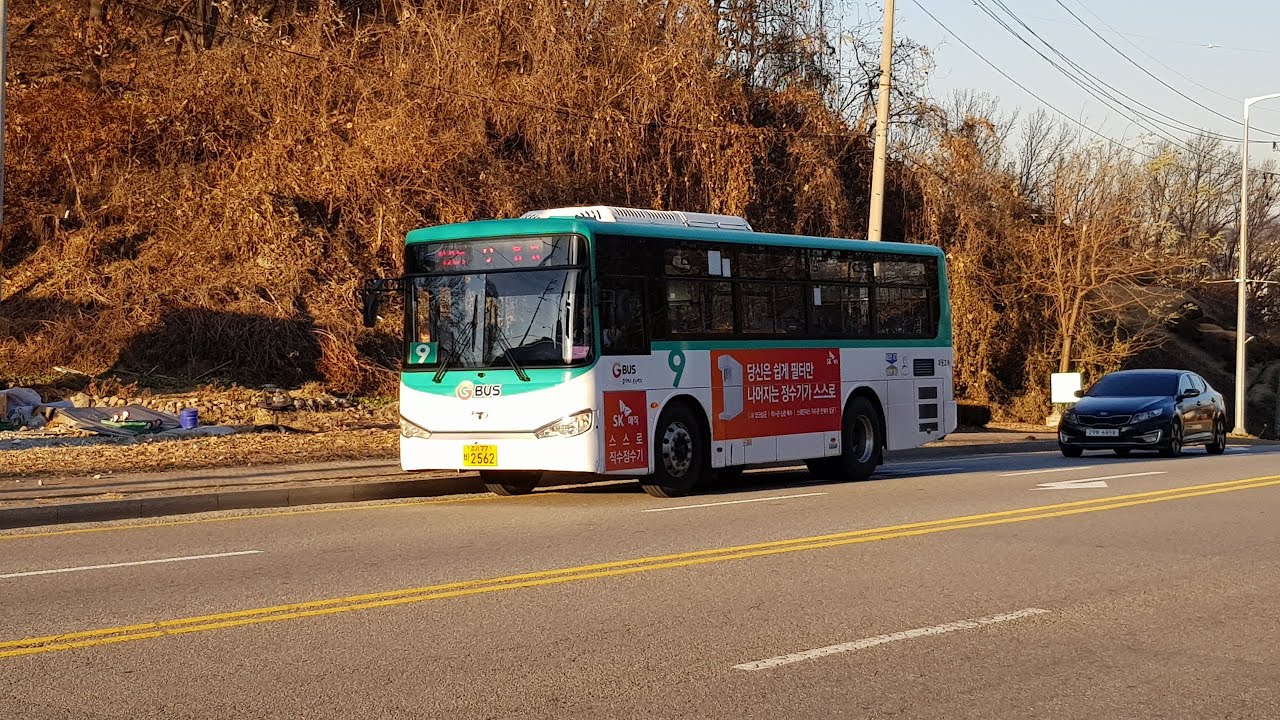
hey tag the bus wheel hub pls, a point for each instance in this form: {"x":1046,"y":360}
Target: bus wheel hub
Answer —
{"x":677,"y":450}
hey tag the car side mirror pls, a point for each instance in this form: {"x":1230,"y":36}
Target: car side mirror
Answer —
{"x":1188,"y":394}
{"x":1077,"y":393}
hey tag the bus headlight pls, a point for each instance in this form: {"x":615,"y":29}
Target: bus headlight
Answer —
{"x":410,"y":430}
{"x":567,"y":426}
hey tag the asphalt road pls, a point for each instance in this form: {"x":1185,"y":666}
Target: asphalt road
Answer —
{"x":1008,"y":586}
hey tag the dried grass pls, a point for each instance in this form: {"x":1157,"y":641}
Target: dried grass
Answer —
{"x":226,"y":451}
{"x":217,"y":211}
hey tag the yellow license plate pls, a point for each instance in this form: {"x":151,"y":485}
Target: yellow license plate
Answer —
{"x":480,"y":456}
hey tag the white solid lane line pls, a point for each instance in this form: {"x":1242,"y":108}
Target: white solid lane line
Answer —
{"x":1118,"y":477}
{"x":865,"y":643}
{"x":129,"y":564}
{"x":1091,"y":483}
{"x":734,"y":502}
{"x":1050,"y":470}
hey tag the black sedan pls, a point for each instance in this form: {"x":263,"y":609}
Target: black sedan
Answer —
{"x":1145,"y":410}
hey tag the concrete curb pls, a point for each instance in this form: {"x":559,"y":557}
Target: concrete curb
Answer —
{"x":348,"y":490}
{"x":238,"y":499}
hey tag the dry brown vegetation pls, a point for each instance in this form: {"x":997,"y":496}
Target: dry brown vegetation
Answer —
{"x":194,"y":190}
{"x":177,"y":213}
{"x":1075,"y":255}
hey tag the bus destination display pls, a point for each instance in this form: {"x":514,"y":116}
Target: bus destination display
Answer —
{"x":498,"y":254}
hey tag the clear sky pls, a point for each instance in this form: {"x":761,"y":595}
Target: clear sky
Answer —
{"x":1216,"y":52}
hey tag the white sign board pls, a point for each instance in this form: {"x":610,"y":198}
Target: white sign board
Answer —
{"x":1064,"y":386}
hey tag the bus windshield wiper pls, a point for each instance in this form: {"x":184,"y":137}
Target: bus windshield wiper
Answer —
{"x":447,"y":362}
{"x":455,"y":346}
{"x":507,"y":352}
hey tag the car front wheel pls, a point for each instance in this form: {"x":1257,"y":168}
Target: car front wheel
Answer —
{"x":1069,"y":451}
{"x":1173,"y":446}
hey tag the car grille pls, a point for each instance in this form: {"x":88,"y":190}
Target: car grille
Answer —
{"x":1099,"y":421}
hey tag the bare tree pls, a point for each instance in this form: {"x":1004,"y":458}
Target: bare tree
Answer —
{"x":1091,"y":265}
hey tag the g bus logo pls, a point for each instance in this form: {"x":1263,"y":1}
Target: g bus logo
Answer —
{"x":467,"y":390}
{"x":619,"y":370}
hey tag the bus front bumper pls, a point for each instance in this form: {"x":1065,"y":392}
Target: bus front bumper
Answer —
{"x":502,"y":451}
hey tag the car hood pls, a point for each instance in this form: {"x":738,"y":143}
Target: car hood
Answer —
{"x":1119,"y":405}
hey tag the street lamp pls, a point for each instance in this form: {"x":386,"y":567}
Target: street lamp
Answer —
{"x":1242,"y":369}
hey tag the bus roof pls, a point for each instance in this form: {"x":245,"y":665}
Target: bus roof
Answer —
{"x":590,"y":228}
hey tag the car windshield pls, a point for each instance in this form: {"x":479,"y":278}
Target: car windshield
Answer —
{"x":516,"y":319}
{"x":1135,"y":385}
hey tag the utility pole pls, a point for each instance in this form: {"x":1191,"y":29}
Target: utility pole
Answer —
{"x":882,"y":126}
{"x":1242,"y":299}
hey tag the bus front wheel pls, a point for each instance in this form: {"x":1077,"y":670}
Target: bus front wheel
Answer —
{"x":680,"y":452}
{"x":510,"y":482}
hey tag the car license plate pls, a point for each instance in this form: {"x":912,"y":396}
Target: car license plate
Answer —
{"x":480,"y":456}
{"x":1097,"y":432}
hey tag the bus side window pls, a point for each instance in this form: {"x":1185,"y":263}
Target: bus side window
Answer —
{"x":622,"y":316}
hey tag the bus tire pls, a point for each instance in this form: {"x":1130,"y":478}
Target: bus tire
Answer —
{"x":681,"y":453}
{"x":823,"y":468}
{"x":510,"y":482}
{"x":862,"y":441}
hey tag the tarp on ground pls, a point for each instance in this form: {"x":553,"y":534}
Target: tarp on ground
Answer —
{"x":90,"y":419}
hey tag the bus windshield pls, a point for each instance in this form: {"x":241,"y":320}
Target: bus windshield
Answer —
{"x":516,"y":317}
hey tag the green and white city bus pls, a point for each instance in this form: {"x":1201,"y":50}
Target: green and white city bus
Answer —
{"x":666,"y":346}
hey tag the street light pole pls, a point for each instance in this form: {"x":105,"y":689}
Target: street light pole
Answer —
{"x":1242,"y":367}
{"x":882,"y":126}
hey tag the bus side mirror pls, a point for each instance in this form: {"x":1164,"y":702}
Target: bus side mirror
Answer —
{"x":369,"y":300}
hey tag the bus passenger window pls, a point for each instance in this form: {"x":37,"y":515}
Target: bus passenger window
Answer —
{"x":904,"y":312}
{"x":770,"y":309}
{"x":622,"y":316}
{"x":699,"y":307}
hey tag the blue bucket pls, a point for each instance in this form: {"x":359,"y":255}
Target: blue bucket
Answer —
{"x":188,"y":418}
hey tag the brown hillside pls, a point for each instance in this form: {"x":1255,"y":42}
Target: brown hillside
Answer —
{"x":211,"y":213}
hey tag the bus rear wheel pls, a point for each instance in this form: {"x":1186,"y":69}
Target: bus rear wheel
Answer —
{"x":680,"y":452}
{"x":510,"y":482}
{"x":862,"y":442}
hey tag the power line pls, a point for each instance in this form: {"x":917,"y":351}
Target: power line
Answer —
{"x":1022,"y":87}
{"x":1095,"y":86}
{"x":1150,"y":74}
{"x":1157,"y":60}
{"x":1157,"y":38}
{"x":1033,"y":94}
{"x":1093,"y":90}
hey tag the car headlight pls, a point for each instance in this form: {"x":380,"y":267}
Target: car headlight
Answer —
{"x":410,"y":430}
{"x":567,"y":426}
{"x":1070,"y":417}
{"x":1147,"y":415}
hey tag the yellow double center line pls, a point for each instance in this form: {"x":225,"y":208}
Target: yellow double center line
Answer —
{"x":317,"y":608}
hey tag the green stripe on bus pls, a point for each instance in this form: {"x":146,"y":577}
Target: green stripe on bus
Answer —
{"x":669,"y":345}
{"x":539,"y":379}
